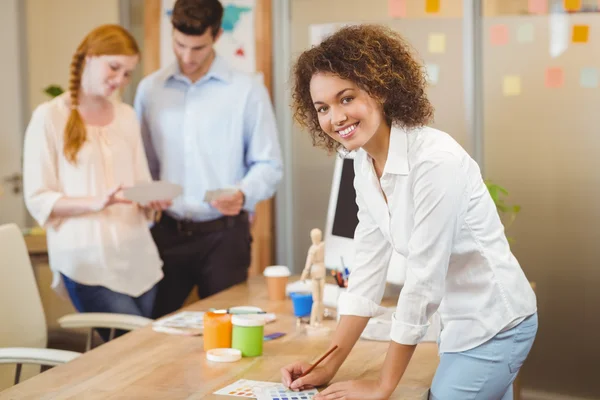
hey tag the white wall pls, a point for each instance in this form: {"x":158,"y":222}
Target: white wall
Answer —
{"x":12,"y":208}
{"x":54,"y":29}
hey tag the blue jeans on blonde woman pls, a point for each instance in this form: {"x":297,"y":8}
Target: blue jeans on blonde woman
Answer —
{"x":487,"y":371}
{"x":87,"y":298}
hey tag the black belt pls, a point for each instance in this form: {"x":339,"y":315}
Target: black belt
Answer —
{"x":191,"y":227}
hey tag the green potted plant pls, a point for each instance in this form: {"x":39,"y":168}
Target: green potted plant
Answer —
{"x":54,"y":90}
{"x":508,"y":212}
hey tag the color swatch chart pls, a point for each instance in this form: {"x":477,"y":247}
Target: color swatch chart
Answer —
{"x":280,"y":392}
{"x":264,"y":391}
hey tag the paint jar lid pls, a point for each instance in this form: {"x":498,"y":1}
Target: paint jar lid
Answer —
{"x":276,"y":271}
{"x":223,"y":355}
{"x":248,"y":320}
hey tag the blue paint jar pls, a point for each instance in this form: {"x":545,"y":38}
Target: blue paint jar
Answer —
{"x":302,"y":304}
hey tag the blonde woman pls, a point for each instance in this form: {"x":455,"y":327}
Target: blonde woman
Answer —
{"x":81,"y":148}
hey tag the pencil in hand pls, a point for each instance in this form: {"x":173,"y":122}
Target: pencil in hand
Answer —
{"x":309,"y":370}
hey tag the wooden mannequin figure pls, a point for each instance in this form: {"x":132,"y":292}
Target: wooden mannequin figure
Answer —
{"x":315,"y":269}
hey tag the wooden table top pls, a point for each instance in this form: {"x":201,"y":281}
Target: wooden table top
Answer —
{"x":148,"y":365}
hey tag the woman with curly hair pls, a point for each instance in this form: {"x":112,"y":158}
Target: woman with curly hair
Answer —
{"x":420,"y":194}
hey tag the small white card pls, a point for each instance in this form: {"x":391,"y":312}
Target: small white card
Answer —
{"x":144,"y":193}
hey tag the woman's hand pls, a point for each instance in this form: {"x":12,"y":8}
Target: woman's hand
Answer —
{"x":290,"y":376}
{"x":355,"y":390}
{"x":159,"y":205}
{"x":110,"y":199}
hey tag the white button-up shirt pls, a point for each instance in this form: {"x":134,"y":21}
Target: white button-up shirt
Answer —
{"x":441,"y":218}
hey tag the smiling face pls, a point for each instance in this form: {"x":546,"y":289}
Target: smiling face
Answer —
{"x":105,"y":74}
{"x":346,"y":112}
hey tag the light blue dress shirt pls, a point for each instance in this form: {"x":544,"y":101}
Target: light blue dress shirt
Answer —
{"x":214,"y":133}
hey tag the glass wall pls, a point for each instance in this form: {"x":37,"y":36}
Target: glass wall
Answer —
{"x":541,"y":97}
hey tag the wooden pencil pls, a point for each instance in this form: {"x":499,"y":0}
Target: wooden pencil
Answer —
{"x":309,"y":370}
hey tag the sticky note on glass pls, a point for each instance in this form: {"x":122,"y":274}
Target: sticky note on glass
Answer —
{"x":499,"y":35}
{"x":432,"y":6}
{"x":580,"y":33}
{"x":572,"y":5}
{"x":525,"y":33}
{"x":511,"y":85}
{"x":397,"y":8}
{"x":555,"y":77}
{"x":433,"y":73}
{"x":538,"y":6}
{"x":437,"y":43}
{"x":589,"y":77}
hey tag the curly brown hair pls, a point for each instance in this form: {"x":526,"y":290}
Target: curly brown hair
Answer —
{"x":379,"y":61}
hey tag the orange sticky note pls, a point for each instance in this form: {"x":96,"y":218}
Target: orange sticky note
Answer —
{"x":555,"y":77}
{"x":511,"y":85}
{"x":397,"y":8}
{"x":499,"y":35}
{"x":581,"y":33}
{"x":572,"y":5}
{"x":432,"y":6}
{"x":538,"y":6}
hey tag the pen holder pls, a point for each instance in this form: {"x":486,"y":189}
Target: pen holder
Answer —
{"x":302,"y":303}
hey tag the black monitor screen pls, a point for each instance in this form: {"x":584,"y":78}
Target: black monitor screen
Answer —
{"x":346,"y":219}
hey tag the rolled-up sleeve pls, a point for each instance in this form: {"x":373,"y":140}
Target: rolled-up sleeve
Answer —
{"x":440,"y":193}
{"x":41,"y":186}
{"x":142,"y":172}
{"x":139,"y":105}
{"x":372,"y":254}
{"x":262,"y":150}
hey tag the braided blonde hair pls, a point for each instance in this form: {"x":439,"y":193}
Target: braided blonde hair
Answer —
{"x":104,"y":40}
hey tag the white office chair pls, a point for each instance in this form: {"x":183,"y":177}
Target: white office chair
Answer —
{"x":23,"y":333}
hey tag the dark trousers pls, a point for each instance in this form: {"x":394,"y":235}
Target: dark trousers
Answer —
{"x":212,"y":255}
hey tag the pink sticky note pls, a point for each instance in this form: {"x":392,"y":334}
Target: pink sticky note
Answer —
{"x":397,"y":8}
{"x":538,"y":6}
{"x":499,"y":35}
{"x":555,"y":77}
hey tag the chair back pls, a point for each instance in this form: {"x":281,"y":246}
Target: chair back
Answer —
{"x":22,"y":319}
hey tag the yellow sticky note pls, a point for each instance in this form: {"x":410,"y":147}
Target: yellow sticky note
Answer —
{"x":432,"y":6}
{"x":437,"y":43}
{"x":581,"y":33}
{"x":572,"y":5}
{"x":512,"y":85}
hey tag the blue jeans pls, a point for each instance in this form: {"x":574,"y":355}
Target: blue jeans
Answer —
{"x":487,"y":371}
{"x":103,"y":300}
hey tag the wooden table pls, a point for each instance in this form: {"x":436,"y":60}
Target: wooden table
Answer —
{"x":148,"y":365}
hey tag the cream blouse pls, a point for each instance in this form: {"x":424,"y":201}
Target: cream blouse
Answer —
{"x":113,"y":247}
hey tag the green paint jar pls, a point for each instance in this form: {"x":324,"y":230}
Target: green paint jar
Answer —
{"x":247,"y":334}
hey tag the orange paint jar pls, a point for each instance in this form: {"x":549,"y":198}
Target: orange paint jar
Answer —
{"x":217,"y":331}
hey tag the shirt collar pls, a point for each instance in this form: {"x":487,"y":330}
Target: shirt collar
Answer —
{"x":397,"y":159}
{"x":218,"y":70}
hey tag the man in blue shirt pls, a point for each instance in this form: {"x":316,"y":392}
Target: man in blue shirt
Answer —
{"x":206,"y":127}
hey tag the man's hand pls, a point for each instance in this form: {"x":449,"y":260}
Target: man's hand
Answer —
{"x":229,"y":205}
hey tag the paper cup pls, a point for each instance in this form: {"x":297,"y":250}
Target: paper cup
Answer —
{"x":277,"y":278}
